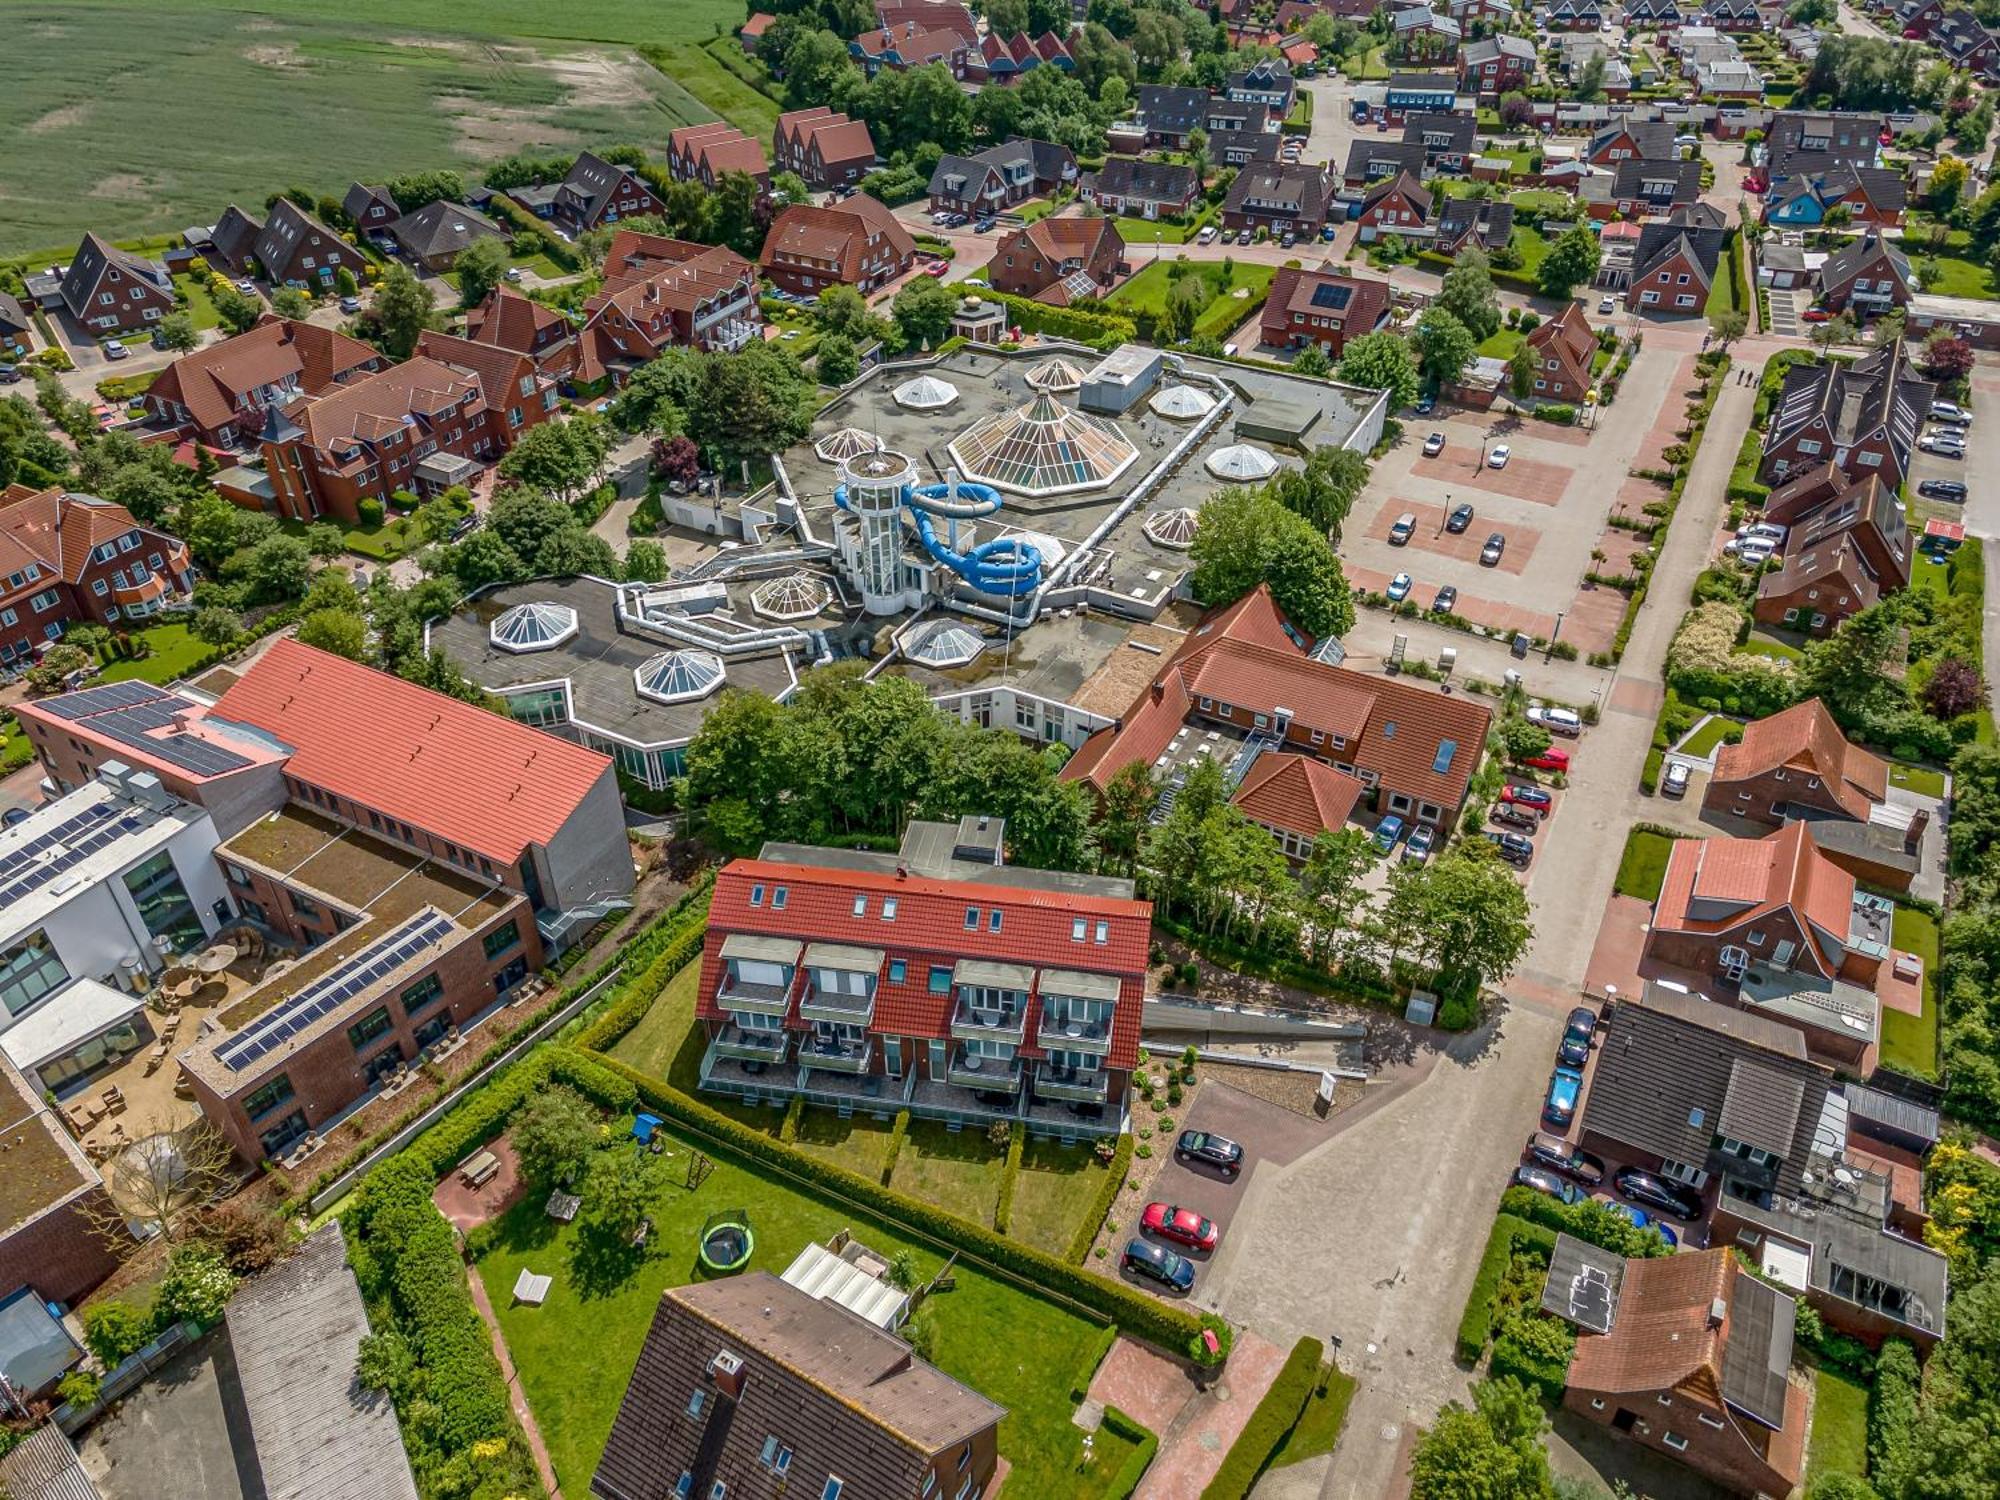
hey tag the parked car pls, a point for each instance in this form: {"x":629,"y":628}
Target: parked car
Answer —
{"x":1657,"y":1192}
{"x":1563,"y":721}
{"x":9,"y":375}
{"x":1527,"y":796}
{"x":113,"y":349}
{"x":1752,"y":552}
{"x":1446,"y":601}
{"x":1574,"y":1049}
{"x":1329,"y":233}
{"x":1460,"y":518}
{"x":1181,"y":1225}
{"x":1769,"y":531}
{"x":985,"y":224}
{"x":1158,"y":1263}
{"x":1515,"y":848}
{"x":1399,"y":587}
{"x":1405,"y":527}
{"x":1417,"y":848}
{"x":1210,"y":1150}
{"x":1489,"y":555}
{"x":1497,"y":459}
{"x":1559,"y":1107}
{"x":1544,"y":1181}
{"x":515,"y":275}
{"x":1558,"y":1155}
{"x":1606,"y":305}
{"x":1426,"y":404}
{"x":1949,"y":411}
{"x":1943,"y":445}
{"x":1288,"y":239}
{"x":1675,"y":782}
{"x":246,"y":286}
{"x":1434,"y":445}
{"x":1941,"y":489}
{"x":1555,"y":758}
{"x":1387,"y":832}
{"x":350,"y":305}
{"x":1515,"y":815}
{"x":1643,"y":1220}
{"x":1816,"y":315}
{"x":1206,"y":236}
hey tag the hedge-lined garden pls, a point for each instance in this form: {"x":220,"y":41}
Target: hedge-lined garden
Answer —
{"x":1302,"y":1374}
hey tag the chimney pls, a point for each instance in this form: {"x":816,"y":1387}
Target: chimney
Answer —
{"x":1913,"y":837}
{"x":726,"y":1370}
{"x":1717,"y":1311}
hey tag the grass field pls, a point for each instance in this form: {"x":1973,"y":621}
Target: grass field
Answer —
{"x":133,"y":119}
{"x":1839,"y":1442}
{"x":1910,"y":1042}
{"x":1919,"y":779}
{"x":1224,"y":308}
{"x":175,"y":651}
{"x":1714,"y":730}
{"x":1503,"y":344}
{"x":1642,"y":868}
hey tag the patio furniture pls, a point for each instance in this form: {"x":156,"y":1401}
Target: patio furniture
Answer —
{"x":216,"y":959}
{"x":479,"y":1169}
{"x":563,"y":1206}
{"x":530,"y":1289}
{"x":640,"y":1232}
{"x":172,"y":1029}
{"x":183,"y":1086}
{"x":114,"y":1100}
{"x":80,"y":1119}
{"x":155,"y":1055}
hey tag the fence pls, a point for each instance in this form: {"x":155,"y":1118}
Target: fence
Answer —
{"x":341,"y":1185}
{"x":133,"y":1369}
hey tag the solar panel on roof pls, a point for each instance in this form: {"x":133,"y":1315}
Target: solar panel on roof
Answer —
{"x":1334,"y":297}
{"x":88,"y":701}
{"x":1590,"y":1299}
{"x":69,"y":844}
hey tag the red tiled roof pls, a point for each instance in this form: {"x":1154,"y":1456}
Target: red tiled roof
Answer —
{"x":1574,"y":344}
{"x":930,"y":929}
{"x":1755,"y":878}
{"x":498,"y":371}
{"x":477,"y":779}
{"x":1660,"y":1339}
{"x":370,"y":409}
{"x":58,"y":529}
{"x":209,"y":382}
{"x":843,"y":234}
{"x":1804,"y":738}
{"x":1297,"y":794}
{"x":509,"y":320}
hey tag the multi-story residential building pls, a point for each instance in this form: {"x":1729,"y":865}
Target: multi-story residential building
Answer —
{"x":1966,"y":43}
{"x":1278,"y":199}
{"x":218,"y":394}
{"x":1402,"y":205}
{"x":823,"y":147}
{"x":1563,"y":349}
{"x":857,"y":242}
{"x":109,"y":290}
{"x":1004,"y":61}
{"x":1406,"y":94}
{"x":1450,"y":141}
{"x":938,"y":979}
{"x":1371,"y":160}
{"x":1498,"y":64}
{"x":1674,"y":267}
{"x":53,"y":1202}
{"x":907,"y":46}
{"x":1058,"y":260}
{"x":509,"y":320}
{"x":1574,"y":15}
{"x":753,"y":1386}
{"x":1421,"y":38}
{"x":1866,"y":276}
{"x":1803,"y":142}
{"x":1862,"y":417}
{"x":929,"y":15}
{"x":66,"y":557}
{"x":1247,"y":674}
{"x":1870,"y":195}
{"x":704,"y":153}
{"x":1323,"y":307}
{"x":1268,"y":82}
{"x":662,"y":293}
{"x":1845,"y":556}
{"x":1001,"y":176}
{"x":1641,"y":187}
{"x":289,"y":247}
{"x":1141,"y":189}
{"x":1169,"y":113}
{"x":593,"y":194}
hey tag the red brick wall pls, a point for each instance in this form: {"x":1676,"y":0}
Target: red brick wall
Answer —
{"x":1766,"y":792}
{"x":58,"y":1254}
{"x":1724,"y":1454}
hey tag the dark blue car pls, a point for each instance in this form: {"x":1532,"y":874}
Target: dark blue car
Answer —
{"x":1158,"y":1263}
{"x":1560,"y":1106}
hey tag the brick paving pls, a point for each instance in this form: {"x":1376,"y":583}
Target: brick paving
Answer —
{"x":1193,"y":1448}
{"x":1530,"y":479}
{"x":468,"y":1208}
{"x":1463,"y":546}
{"x":515,"y":1397}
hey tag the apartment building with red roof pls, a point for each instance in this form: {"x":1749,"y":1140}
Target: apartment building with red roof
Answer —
{"x":509,"y":320}
{"x":905,"y":46}
{"x":703,"y":153}
{"x":218,"y":394}
{"x":1563,"y":349}
{"x":1323,"y":307}
{"x":662,"y":293}
{"x":1295,"y":799}
{"x":823,"y":147}
{"x":1245,"y":685}
{"x":67,"y":557}
{"x":856,"y":242}
{"x":109,"y":290}
{"x":938,"y":979}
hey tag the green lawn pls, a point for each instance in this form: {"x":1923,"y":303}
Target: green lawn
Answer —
{"x":1919,"y":779}
{"x":116,"y":104}
{"x":1055,"y":1188}
{"x":175,"y":652}
{"x":15,"y":751}
{"x":1140,"y":234}
{"x":1223,"y":311}
{"x":1953,"y":276}
{"x":575,"y":1353}
{"x":1910,"y":1042}
{"x":729,"y":97}
{"x":1712,"y":733}
{"x":1839,"y":1443}
{"x":1319,"y":1425}
{"x":959,"y":1172}
{"x":1763,"y":645}
{"x":1542,"y":200}
{"x":384,"y":543}
{"x":1533,"y":249}
{"x":200,"y":306}
{"x":1503,"y":344}
{"x":1642,"y":868}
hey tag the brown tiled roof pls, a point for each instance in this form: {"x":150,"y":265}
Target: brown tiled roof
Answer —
{"x":1755,"y":878}
{"x":1805,"y":491}
{"x":841,"y":139}
{"x":369,"y":409}
{"x":210,"y":381}
{"x":1405,"y":185}
{"x":794,"y":121}
{"x":842,"y":234}
{"x":58,"y":528}
{"x":1294,"y":289}
{"x":1569,"y":331}
{"x":508,"y":320}
{"x":1804,"y":738}
{"x":1297,"y":794}
{"x":498,"y":371}
{"x":1838,"y":564}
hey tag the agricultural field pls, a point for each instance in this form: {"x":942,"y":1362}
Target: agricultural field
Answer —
{"x":136,"y":120}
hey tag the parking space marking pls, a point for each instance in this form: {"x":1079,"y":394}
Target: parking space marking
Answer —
{"x":1530,"y":479}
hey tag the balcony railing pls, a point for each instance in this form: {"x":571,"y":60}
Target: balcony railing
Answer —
{"x":972,"y":1071}
{"x":760,"y":1046}
{"x":842,"y":1056}
{"x":757,"y":999}
{"x":846,"y":1010}
{"x":1075,"y":1034}
{"x":1072,"y":1083}
{"x":1008,"y":1025}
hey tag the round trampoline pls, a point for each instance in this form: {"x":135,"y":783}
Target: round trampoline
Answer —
{"x":726,"y":1242}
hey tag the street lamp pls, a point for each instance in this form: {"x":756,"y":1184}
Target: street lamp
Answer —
{"x":1550,"y":653}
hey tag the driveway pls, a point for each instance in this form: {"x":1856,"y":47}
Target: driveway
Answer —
{"x":172,"y":1438}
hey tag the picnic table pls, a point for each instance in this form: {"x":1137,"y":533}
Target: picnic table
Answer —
{"x":478,"y":1169}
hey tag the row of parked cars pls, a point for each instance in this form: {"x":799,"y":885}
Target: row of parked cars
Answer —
{"x":1950,"y":426}
{"x":1167,"y":1229}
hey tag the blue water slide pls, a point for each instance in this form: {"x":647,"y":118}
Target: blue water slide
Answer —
{"x":1005,"y":567}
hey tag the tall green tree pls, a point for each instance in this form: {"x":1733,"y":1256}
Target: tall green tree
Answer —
{"x":1123,"y":814}
{"x":403,"y":309}
{"x":1489,"y":1451}
{"x":1571,"y":262}
{"x":1383,"y":362}
{"x":563,"y":458}
{"x":554,"y":1134}
{"x":1246,"y":537}
{"x":1445,"y":346}
{"x":1467,"y":294}
{"x":1324,"y":490}
{"x":480,"y":268}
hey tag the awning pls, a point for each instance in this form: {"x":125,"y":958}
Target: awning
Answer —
{"x":844,"y":956}
{"x":768,"y":950}
{"x":448,"y":469}
{"x":57,"y":1028}
{"x":1081,"y":986}
{"x":989,"y":975}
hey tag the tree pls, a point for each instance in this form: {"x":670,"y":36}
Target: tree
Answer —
{"x":677,"y":460}
{"x":1521,"y":373}
{"x":216,"y":626}
{"x":290,"y":302}
{"x":177,"y":332}
{"x":402,"y":310}
{"x":645,"y":561}
{"x":1445,"y":346}
{"x":574,"y":551}
{"x":209,"y":527}
{"x":1123,"y":813}
{"x":1948,"y":180}
{"x":1312,"y":361}
{"x":754,"y":403}
{"x":661,"y":393}
{"x":1324,"y":490}
{"x":1247,"y":537}
{"x":1955,"y":688}
{"x":554,"y":1135}
{"x":624,"y":1186}
{"x":280,"y":567}
{"x":1467,"y":294}
{"x":731,"y":217}
{"x":1838,"y":329}
{"x":1468,"y":912}
{"x":1946,"y":358}
{"x":480,"y":267}
{"x":1331,"y":887}
{"x":788,"y":188}
{"x":1589,"y":84}
{"x":1100,"y":58}
{"x":344,"y":283}
{"x":1571,"y":262}
{"x":1729,"y":326}
{"x":1516,"y":110}
{"x":1848,"y":669}
{"x":525,"y":518}
{"x":419,"y":189}
{"x":337,"y":630}
{"x":114,"y":1331}
{"x":1383,"y":362}
{"x":239,"y":312}
{"x":843,"y":310}
{"x":562,"y":458}
{"x":836,"y":363}
{"x":158,"y":1183}
{"x":1523,"y":739}
{"x":1491,"y":1451}
{"x":923,"y":310}
{"x":481,"y":559}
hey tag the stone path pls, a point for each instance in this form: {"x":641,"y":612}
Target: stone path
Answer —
{"x":515,"y":1397}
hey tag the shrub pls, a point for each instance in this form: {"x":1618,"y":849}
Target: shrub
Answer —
{"x":1086,"y":1368}
{"x":1475,"y":1325}
{"x":196,"y":1288}
{"x":1592,"y":1221}
{"x":370,"y":510}
{"x":1274,"y":1417}
{"x":1126,"y":1480}
{"x":789,"y":1131}
{"x":1892,"y":1414}
{"x":115,"y":1331}
{"x":1534,"y":1349}
{"x":1561,"y":415}
{"x":80,"y":1388}
{"x":898,"y":1133}
{"x":1003,"y":1211}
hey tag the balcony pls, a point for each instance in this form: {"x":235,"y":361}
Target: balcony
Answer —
{"x":1074,"y":1034}
{"x":972,"y":1071}
{"x":755,"y":999}
{"x":840,"y":1054}
{"x":758,"y":1046}
{"x":1085,"y":1087}
{"x":986,"y":1023}
{"x":748,"y":1078}
{"x":816,"y":1004}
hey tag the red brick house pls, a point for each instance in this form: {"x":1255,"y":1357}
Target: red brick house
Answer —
{"x":1402,"y":205}
{"x":1694,"y":1362}
{"x":857,"y":242}
{"x":1675,"y":267}
{"x":824,"y":147}
{"x":1862,"y":417}
{"x":370,"y":209}
{"x":111,"y":291}
{"x":1846,"y":555}
{"x":1057,"y":260}
{"x":1278,"y":199}
{"x":594,"y":192}
{"x":1322,"y":307}
{"x":703,"y":153}
{"x":296,"y":249}
{"x":1295,"y":799}
{"x":509,"y":320}
{"x":66,"y":558}
{"x":662,"y":293}
{"x":1630,"y":139}
{"x":1563,"y":349}
{"x":908,"y":47}
{"x":1141,"y":189}
{"x":1796,"y":764}
{"x":218,"y":394}
{"x":1866,"y":276}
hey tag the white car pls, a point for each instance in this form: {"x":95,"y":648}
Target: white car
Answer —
{"x":1497,"y":459}
{"x":1399,"y":587}
{"x":1434,"y":445}
{"x":1770,"y":531}
{"x":1206,"y":236}
{"x":1944,"y":444}
{"x":1563,"y":721}
{"x":1949,"y":411}
{"x":1606,"y":306}
{"x":1754,"y":551}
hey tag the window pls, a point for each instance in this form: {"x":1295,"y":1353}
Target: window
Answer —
{"x":756,"y":895}
{"x":30,"y":970}
{"x":1103,"y":932}
{"x":993,"y":920}
{"x":369,"y":1027}
{"x":940,"y":980}
{"x":898,"y":970}
{"x":1665,"y":1399}
{"x":1077,"y":928}
{"x":971,"y":919}
{"x":268,"y":1097}
{"x":697,"y":1401}
{"x":860,"y":906}
{"x":1674,"y":1441}
{"x":717,"y":1490}
{"x":498,"y":942}
{"x":422,"y":993}
{"x":888,"y":908}
{"x":831,"y":1490}
{"x":303,"y":904}
{"x":1708,"y":1421}
{"x":778,"y":898}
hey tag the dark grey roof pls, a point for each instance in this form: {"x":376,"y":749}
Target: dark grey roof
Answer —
{"x":1757,"y":1356}
{"x":1640,"y":177}
{"x":1658,"y":239}
{"x":44,"y":1466}
{"x":1131,"y":177}
{"x":13,"y":317}
{"x":442,"y":228}
{"x":1460,"y":131}
{"x":1490,"y":221}
{"x":1878,"y":1113}
{"x":1393,"y":156}
{"x":1761,"y":1106}
{"x":1423,"y":83}
{"x":1170,"y":109}
{"x":1654,"y":138}
{"x":1667,"y":1068}
{"x":296,"y":1334}
{"x":1859,"y":255}
{"x":1583,"y":1284}
{"x":1875,"y":391}
{"x":360,"y":197}
{"x":1799,"y":140}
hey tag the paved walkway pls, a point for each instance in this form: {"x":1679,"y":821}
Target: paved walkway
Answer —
{"x":1196,"y":1422}
{"x":519,"y":1401}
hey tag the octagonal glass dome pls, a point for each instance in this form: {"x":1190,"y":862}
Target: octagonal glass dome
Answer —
{"x":679,"y":676}
{"x":535,"y":626}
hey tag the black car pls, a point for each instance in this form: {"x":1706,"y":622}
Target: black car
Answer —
{"x":1513,"y":815}
{"x":1459,"y":519}
{"x":1574,"y":1050}
{"x":1558,"y":1155}
{"x":1543,"y":1181}
{"x":1446,"y":601}
{"x":1210,"y":1150}
{"x":1657,"y":1192}
{"x":1942,"y":489}
{"x":1158,"y":1263}
{"x":1516,"y":849}
{"x":9,"y":375}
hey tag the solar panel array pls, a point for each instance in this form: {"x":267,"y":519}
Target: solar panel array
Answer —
{"x":1590,"y":1299}
{"x":128,"y":712}
{"x":41,"y":859}
{"x":332,"y":990}
{"x":1334,"y":296}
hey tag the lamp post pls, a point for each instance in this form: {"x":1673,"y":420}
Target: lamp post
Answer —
{"x":1550,"y":653}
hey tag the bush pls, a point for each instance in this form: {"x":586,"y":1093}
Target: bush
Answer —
{"x":1557,"y":412}
{"x":1126,"y":1480}
{"x":1269,"y":1424}
{"x":1475,"y":1325}
{"x":196,"y":1288}
{"x":1892,"y":1414}
{"x":1597,"y":1223}
{"x":1107,"y":1194}
{"x":898,"y":1133}
{"x":80,"y":1388}
{"x":1003,"y":1211}
{"x":370,"y":510}
{"x":1534,"y":1349}
{"x":115,"y":1331}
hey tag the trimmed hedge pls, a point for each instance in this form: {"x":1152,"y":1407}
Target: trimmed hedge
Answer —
{"x":1086,"y":1369}
{"x":898,"y":1133}
{"x":1086,"y":324}
{"x":1475,"y":1325}
{"x":1276,"y":1415}
{"x":1893,"y":1412}
{"x":1594,"y":1222}
{"x":1107,"y":1194}
{"x":1127,"y":1478}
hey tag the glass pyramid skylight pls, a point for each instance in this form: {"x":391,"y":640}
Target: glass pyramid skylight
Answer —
{"x":679,"y":676}
{"x":535,"y":626}
{"x":1043,"y":448}
{"x":795,"y":596}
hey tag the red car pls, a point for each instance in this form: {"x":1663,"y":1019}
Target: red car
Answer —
{"x":937,"y":268}
{"x":1527,"y":796}
{"x":1555,"y":758}
{"x":1181,"y":1225}
{"x":1816,"y":315}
